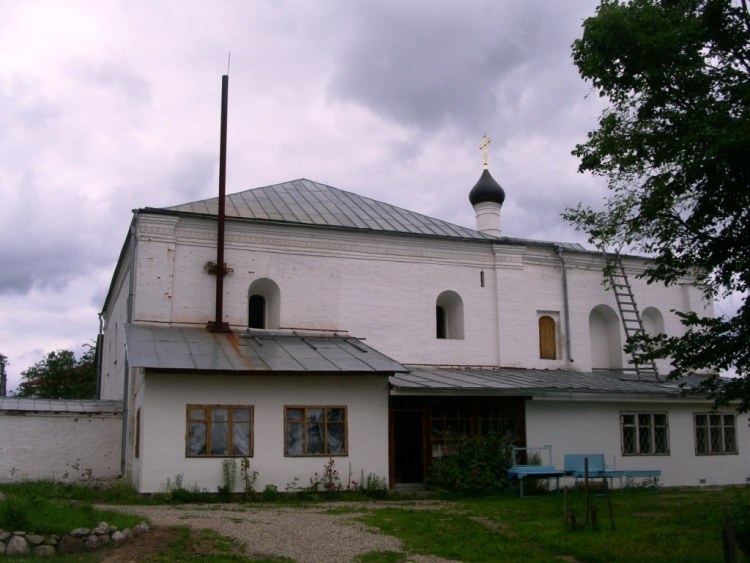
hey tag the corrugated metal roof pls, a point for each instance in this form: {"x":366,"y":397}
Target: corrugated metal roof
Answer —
{"x":305,"y":202}
{"x":19,"y":404}
{"x":526,"y":381}
{"x":182,"y":348}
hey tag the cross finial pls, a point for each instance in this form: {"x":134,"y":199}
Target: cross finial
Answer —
{"x":484,"y":147}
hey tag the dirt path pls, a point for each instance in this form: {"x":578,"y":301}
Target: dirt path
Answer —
{"x":316,"y":533}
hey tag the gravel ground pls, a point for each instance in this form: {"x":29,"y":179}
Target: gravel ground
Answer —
{"x":305,"y":534}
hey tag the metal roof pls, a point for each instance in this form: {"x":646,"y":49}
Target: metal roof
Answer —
{"x":19,"y":404}
{"x":519,"y":381}
{"x":166,"y":348}
{"x":305,"y":202}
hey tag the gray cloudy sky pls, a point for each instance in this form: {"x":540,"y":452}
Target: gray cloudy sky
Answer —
{"x":111,"y":105}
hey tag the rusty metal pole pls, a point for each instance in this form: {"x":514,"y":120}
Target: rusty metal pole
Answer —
{"x":218,"y":325}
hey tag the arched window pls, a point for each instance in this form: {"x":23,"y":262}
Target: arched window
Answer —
{"x":653,"y":321}
{"x":257,"y":312}
{"x":449,"y":316}
{"x":604,"y":334}
{"x":264,"y":304}
{"x":547,"y":338}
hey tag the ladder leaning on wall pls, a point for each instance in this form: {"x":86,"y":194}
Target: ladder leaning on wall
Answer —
{"x":629,"y":314}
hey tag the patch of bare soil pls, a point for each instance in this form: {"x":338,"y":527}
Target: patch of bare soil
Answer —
{"x":158,"y":543}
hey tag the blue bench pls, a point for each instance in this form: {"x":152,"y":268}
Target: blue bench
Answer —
{"x":535,"y":463}
{"x":575,"y":467}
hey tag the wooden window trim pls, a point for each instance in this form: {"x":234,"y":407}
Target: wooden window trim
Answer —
{"x":547,"y":338}
{"x":230,"y":429}
{"x":325,"y":408}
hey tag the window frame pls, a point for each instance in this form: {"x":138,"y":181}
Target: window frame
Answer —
{"x":709,"y":428}
{"x":642,"y":432}
{"x":207,"y":420}
{"x":305,"y":422}
{"x":547,"y":343}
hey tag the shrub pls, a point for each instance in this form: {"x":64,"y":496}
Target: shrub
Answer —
{"x":479,"y":465}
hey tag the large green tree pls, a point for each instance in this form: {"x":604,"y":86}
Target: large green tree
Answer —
{"x":60,"y":375}
{"x":674,"y":146}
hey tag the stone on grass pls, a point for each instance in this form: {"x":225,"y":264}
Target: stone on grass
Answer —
{"x":92,"y":542}
{"x":128,"y":533}
{"x":103,"y":539}
{"x":69,"y":544}
{"x":80,"y":532}
{"x":140,"y":529}
{"x":2,"y":548}
{"x":17,"y":545}
{"x":4,"y":535}
{"x":118,"y":538}
{"x":44,"y":551}
{"x":35,"y":539}
{"x":101,"y":529}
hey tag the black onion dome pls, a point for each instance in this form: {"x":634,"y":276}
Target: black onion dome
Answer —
{"x":486,"y":189}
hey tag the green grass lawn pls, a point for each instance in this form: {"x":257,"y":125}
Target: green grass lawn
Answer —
{"x":669,"y":526}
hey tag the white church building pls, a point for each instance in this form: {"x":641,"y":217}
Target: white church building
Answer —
{"x":377,"y":337}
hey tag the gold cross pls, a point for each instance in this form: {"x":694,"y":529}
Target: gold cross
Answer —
{"x":484,"y":147}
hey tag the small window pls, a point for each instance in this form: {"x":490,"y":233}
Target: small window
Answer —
{"x":644,"y":433}
{"x":440,"y":321}
{"x":257,"y":312}
{"x":715,"y":434}
{"x":547,"y":338}
{"x":315,"y":431}
{"x":219,"y":431}
{"x":449,"y":316}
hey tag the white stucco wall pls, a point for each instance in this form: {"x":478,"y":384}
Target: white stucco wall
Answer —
{"x":594,"y":427}
{"x":384,"y":288}
{"x":163,"y":399}
{"x":67,"y":447}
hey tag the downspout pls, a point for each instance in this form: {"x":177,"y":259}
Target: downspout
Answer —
{"x":566,"y":312}
{"x":129,"y":319}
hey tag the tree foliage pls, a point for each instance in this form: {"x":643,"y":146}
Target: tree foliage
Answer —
{"x":61,"y":376}
{"x":674,"y":145}
{"x":3,"y":374}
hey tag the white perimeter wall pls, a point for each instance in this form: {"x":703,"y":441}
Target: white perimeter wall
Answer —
{"x":163,"y":400}
{"x":68,"y":447}
{"x":594,"y":427}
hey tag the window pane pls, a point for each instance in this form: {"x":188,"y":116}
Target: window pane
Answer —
{"x":294,"y":414}
{"x":715,"y":439}
{"x":197,"y":438}
{"x":335,"y":415}
{"x":315,"y":437}
{"x":197,"y":414}
{"x":219,"y":438}
{"x":315,"y":415}
{"x":241,"y":438}
{"x":294,"y":438}
{"x":335,"y":438}
{"x":644,"y":440}
{"x":661,"y":442}
{"x":628,"y":440}
{"x":701,"y":439}
{"x":241,"y":415}
{"x":701,"y":420}
{"x":628,"y":419}
{"x":220,"y":415}
{"x":730,"y":442}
